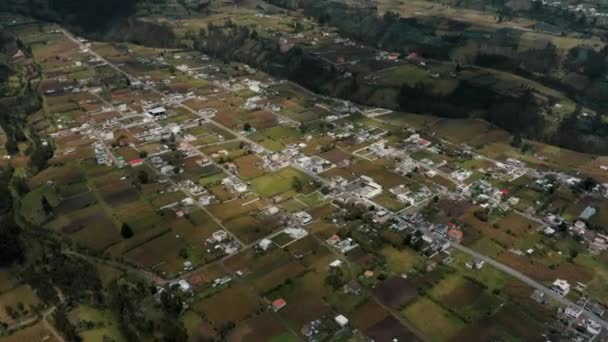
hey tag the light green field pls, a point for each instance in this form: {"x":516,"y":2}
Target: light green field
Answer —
{"x":432,"y":320}
{"x":277,"y":183}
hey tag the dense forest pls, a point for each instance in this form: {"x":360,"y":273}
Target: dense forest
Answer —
{"x":98,"y":19}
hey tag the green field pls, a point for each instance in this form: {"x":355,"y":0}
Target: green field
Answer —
{"x":277,"y":183}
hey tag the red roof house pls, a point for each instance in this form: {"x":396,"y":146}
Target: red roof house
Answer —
{"x":278,"y":304}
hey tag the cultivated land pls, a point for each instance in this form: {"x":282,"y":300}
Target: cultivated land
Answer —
{"x":273,"y":212}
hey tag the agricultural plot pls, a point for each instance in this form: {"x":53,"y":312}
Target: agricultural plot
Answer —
{"x":432,"y":320}
{"x":220,"y":308}
{"x":108,"y":326}
{"x":261,"y":328}
{"x":161,"y":253}
{"x":465,"y":297}
{"x":279,"y":183}
{"x":37,"y":332}
{"x":17,"y":303}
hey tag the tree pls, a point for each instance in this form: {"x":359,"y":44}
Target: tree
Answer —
{"x":46,"y":206}
{"x":296,"y":183}
{"x":335,"y":278}
{"x":247,"y":127}
{"x":143,"y":177}
{"x":66,"y":327}
{"x":126,"y":231}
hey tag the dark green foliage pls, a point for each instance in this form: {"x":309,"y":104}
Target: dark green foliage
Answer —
{"x":67,"y":329}
{"x":11,"y":247}
{"x":126,"y":231}
{"x":75,"y":277}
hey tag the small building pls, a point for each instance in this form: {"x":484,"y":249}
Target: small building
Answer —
{"x":265,"y":244}
{"x":157,"y":111}
{"x":341,"y":320}
{"x":353,"y":287}
{"x":336,"y":263}
{"x":184,"y":286}
{"x":136,"y":162}
{"x":303,"y":217}
{"x":219,"y":236}
{"x":240,"y":187}
{"x":278,"y":304}
{"x":573,"y":312}
{"x":561,"y":287}
{"x":587,"y":213}
{"x":271,"y":210}
{"x":455,"y":234}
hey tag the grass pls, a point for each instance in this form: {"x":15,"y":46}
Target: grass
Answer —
{"x":278,"y":182}
{"x":400,"y":261}
{"x":104,"y":318}
{"x":284,"y":338}
{"x":312,"y":199}
{"x":432,"y":320}
{"x":22,"y":294}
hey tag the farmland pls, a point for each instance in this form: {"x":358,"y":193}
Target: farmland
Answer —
{"x":238,"y":183}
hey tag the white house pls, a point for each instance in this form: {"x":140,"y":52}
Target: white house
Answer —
{"x":561,"y":287}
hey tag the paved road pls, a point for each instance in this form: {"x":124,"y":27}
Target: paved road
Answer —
{"x":533,"y":283}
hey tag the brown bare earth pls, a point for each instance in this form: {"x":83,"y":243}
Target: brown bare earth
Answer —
{"x":396,"y":292}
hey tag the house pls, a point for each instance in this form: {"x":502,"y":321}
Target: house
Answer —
{"x":184,"y":286}
{"x":578,"y":228}
{"x":369,"y":187}
{"x":240,"y":187}
{"x":219,"y":236}
{"x":587,"y":213}
{"x":265,"y":244}
{"x":136,"y":162}
{"x":278,"y":304}
{"x":455,"y":234}
{"x":303,"y":217}
{"x":538,"y":296}
{"x":353,"y":287}
{"x":271,"y":210}
{"x":561,"y":287}
{"x":167,"y":169}
{"x":549,"y":231}
{"x":573,"y":312}
{"x":336,"y":263}
{"x":341,"y":320}
{"x":157,"y":111}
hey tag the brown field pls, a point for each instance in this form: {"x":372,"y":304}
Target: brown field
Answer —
{"x":368,"y":314}
{"x":162,"y":251}
{"x":321,"y":211}
{"x":303,"y":308}
{"x":250,"y":229}
{"x":388,"y":329}
{"x":509,"y":232}
{"x":378,"y":172}
{"x":396,"y":292}
{"x":278,"y":276}
{"x":232,"y":209}
{"x":542,"y":272}
{"x":260,"y":328}
{"x":22,"y":294}
{"x":507,"y":321}
{"x":34,"y":333}
{"x":119,"y":194}
{"x":221,"y":308}
{"x":257,"y":264}
{"x":139,"y":215}
{"x":248,"y":166}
